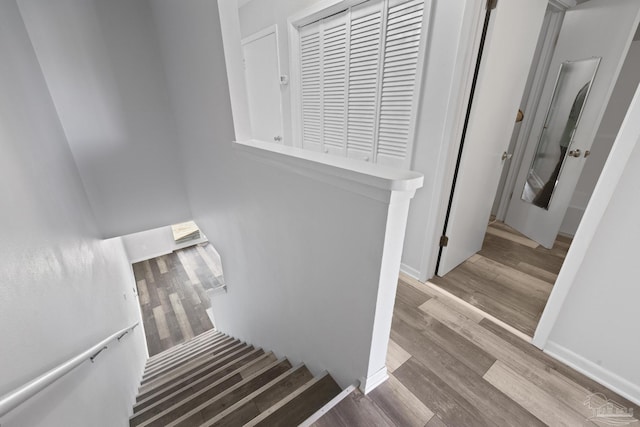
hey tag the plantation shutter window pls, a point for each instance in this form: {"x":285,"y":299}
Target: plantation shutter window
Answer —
{"x":364,"y":73}
{"x":334,"y":67}
{"x":358,"y":72}
{"x":311,"y":86}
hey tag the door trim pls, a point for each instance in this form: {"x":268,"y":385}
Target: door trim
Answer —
{"x":466,"y":55}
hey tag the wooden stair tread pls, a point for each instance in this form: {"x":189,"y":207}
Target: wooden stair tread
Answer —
{"x":262,"y":399}
{"x":216,"y":380}
{"x":213,"y":349}
{"x":188,"y":368}
{"x":355,"y":409}
{"x":210,"y":334}
{"x":232,"y":395}
{"x":192,"y":353}
{"x":187,"y":353}
{"x":169,"y":387}
{"x":171,"y":395}
{"x":178,"y":409}
{"x":299,"y":405}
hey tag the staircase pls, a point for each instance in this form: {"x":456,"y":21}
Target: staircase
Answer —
{"x":215,"y":380}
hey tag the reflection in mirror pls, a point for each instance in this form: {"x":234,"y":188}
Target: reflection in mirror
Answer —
{"x":569,"y":96}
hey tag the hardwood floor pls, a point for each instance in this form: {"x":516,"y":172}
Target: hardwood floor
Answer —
{"x":510,"y":278}
{"x":172,"y":294}
{"x":450,"y":366}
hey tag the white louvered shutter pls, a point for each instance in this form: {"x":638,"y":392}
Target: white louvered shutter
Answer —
{"x":358,"y":78}
{"x":399,"y":71}
{"x":311,"y":85}
{"x":334,"y":78}
{"x":364,"y":66}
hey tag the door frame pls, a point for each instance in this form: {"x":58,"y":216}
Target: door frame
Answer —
{"x":466,"y":56}
{"x":455,"y":243}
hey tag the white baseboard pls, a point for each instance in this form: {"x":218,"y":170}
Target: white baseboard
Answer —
{"x":594,"y":371}
{"x":410,"y":271}
{"x":370,"y":383}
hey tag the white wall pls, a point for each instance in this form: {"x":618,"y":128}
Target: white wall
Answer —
{"x":101,"y":62}
{"x":597,"y":326}
{"x":613,"y":116}
{"x":302,"y":257}
{"x":153,"y":243}
{"x":62,"y":289}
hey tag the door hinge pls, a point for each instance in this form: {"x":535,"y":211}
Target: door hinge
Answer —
{"x":444,"y":241}
{"x":491,"y":4}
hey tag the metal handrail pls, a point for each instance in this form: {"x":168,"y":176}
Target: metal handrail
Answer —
{"x":15,"y":398}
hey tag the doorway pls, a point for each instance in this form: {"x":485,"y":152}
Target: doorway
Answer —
{"x":509,"y":271}
{"x":510,"y":278}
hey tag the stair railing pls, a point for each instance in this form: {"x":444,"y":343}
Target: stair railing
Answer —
{"x":13,"y":399}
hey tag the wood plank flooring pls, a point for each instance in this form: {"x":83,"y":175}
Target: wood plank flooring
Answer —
{"x":451,"y":367}
{"x":172,"y":294}
{"x":510,"y":278}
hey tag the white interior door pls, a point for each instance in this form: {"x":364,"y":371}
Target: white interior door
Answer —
{"x":262,"y":74}
{"x":598,"y":28}
{"x":509,"y":49}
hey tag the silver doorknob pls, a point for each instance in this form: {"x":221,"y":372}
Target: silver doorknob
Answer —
{"x":575,"y":153}
{"x":506,"y":155}
{"x":277,"y":138}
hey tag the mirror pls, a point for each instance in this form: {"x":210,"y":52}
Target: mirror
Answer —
{"x":570,"y":93}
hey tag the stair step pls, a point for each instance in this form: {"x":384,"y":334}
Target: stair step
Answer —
{"x":182,"y":365}
{"x":219,"y":403}
{"x":182,"y":358}
{"x":326,"y":415}
{"x":262,"y":399}
{"x":299,"y":405}
{"x":178,"y":409}
{"x":207,"y":335}
{"x":199,"y":379}
{"x":186,"y":352}
{"x":188,"y":368}
{"x":181,"y":353}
